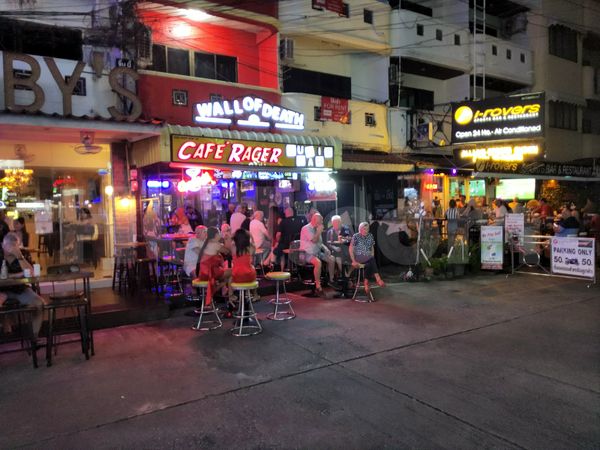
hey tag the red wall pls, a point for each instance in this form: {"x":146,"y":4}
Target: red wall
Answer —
{"x":257,"y":63}
{"x":155,"y":91}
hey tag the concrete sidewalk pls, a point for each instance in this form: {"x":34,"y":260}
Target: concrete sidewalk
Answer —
{"x":471,"y":363}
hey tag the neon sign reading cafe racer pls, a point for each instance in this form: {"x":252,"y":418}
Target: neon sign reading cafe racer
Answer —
{"x":250,"y":112}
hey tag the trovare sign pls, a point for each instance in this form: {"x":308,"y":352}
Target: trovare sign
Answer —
{"x":515,"y":117}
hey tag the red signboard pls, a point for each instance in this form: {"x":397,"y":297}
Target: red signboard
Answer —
{"x":334,"y":109}
{"x":336,"y":6}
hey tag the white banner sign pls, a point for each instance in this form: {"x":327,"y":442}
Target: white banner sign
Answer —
{"x":514,"y":224}
{"x":492,"y":247}
{"x":573,"y":256}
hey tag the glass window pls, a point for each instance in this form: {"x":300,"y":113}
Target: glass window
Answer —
{"x":508,"y":53}
{"x":204,"y":65}
{"x":562,"y":42}
{"x":494,"y":50}
{"x":159,"y":58}
{"x":226,"y":68}
{"x":457,"y":39}
{"x":368,"y":16}
{"x":178,"y":61}
{"x":439,"y":35}
{"x":420,"y":30}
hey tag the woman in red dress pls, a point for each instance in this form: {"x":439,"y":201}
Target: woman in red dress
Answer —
{"x":212,"y":264}
{"x":243,"y":270}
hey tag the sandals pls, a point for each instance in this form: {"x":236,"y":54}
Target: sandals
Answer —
{"x":380,"y":283}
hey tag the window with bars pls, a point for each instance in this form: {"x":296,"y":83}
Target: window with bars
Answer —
{"x":562,"y":42}
{"x":563,"y":115}
{"x":368,"y":16}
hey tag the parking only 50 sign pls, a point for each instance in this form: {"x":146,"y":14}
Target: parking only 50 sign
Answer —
{"x":573,"y":256}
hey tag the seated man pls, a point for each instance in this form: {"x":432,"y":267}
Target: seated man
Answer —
{"x":16,"y":264}
{"x":311,"y":242}
{"x":338,"y":239}
{"x":260,"y":237}
{"x":192,"y":251}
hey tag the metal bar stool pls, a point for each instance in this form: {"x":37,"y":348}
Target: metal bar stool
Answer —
{"x":205,"y":310}
{"x":360,"y":277}
{"x":247,"y":323}
{"x":280,"y":301}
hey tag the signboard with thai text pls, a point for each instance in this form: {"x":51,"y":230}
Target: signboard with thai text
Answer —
{"x":334,"y":109}
{"x":502,"y":118}
{"x":573,"y":256}
{"x":492,"y":247}
{"x":239,"y":152}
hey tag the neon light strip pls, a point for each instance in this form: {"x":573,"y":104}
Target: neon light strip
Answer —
{"x":284,"y":126}
{"x":249,"y":123}
{"x":211,"y":120}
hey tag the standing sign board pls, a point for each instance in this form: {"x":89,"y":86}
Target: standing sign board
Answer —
{"x":573,"y":256}
{"x":514,"y":225}
{"x":492,"y":247}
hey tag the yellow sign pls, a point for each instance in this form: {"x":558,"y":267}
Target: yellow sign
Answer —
{"x":465,"y":115}
{"x":500,"y":153}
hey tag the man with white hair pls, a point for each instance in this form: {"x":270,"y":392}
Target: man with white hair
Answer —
{"x":311,"y":242}
{"x":192,"y":251}
{"x":237,"y":218}
{"x":337,"y":239}
{"x":260,"y":236}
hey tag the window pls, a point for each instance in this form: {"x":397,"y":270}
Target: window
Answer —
{"x":508,"y":53}
{"x":317,"y":83}
{"x":494,"y":50}
{"x":416,"y":98}
{"x":439,"y":35}
{"x":562,"y":42}
{"x":370,"y":120}
{"x":415,"y":7}
{"x":317,"y":116}
{"x":586,"y":126}
{"x":563,"y":115}
{"x":420,"y":30}
{"x":180,"y":97}
{"x":39,"y":39}
{"x":205,"y":65}
{"x":345,"y":10}
{"x":215,"y":98}
{"x":80,"y":86}
{"x":457,"y":39}
{"x":522,"y":57}
{"x":178,"y":61}
{"x":368,"y":16}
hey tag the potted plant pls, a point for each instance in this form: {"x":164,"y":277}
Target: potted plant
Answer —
{"x":474,"y":258}
{"x":439,"y":266}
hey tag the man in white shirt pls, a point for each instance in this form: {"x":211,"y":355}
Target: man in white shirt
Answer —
{"x":237,"y":218}
{"x":260,"y":236}
{"x":311,"y":242}
{"x":192,"y":251}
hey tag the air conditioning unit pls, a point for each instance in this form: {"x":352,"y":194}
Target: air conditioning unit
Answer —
{"x":143,"y":44}
{"x":286,"y":49}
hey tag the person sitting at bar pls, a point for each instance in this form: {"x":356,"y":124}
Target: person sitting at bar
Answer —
{"x":212,"y":264}
{"x":17,"y":264}
{"x":180,"y":220}
{"x":237,"y":218}
{"x":362,"y":251}
{"x":21,"y":231}
{"x":337,"y":238}
{"x":568,"y":225}
{"x":192,"y":251}
{"x":311,"y":243}
{"x":260,"y":237}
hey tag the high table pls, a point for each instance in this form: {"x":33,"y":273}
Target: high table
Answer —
{"x":57,"y":278}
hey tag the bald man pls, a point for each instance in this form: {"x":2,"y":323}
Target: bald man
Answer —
{"x":311,"y":242}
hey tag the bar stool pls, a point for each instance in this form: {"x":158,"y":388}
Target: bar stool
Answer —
{"x":201,"y":287}
{"x":245,"y":312}
{"x":169,"y":271}
{"x":279,"y":301}
{"x":360,"y":278}
{"x":146,"y":275}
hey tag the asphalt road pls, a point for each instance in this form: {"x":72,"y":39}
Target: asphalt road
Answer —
{"x":486,"y":362}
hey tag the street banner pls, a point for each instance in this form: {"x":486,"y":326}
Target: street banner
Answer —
{"x":492,"y":247}
{"x":334,"y":109}
{"x":514,"y":225}
{"x":573,"y":256}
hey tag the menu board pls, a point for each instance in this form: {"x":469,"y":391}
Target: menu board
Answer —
{"x":514,"y":225}
{"x":573,"y":256}
{"x":492,"y":247}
